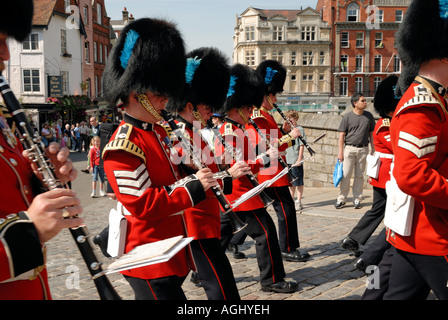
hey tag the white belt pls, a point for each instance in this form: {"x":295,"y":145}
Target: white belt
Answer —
{"x":385,"y":155}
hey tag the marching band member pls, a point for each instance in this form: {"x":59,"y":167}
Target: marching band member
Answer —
{"x":274,"y":74}
{"x":207,"y":77}
{"x":28,"y":216}
{"x":146,"y":66}
{"x":419,"y":131}
{"x":245,"y":91}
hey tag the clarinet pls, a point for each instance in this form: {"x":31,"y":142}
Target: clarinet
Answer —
{"x":311,"y":151}
{"x":36,"y":150}
{"x":252,"y":179}
{"x":236,"y":223}
{"x":280,"y":159}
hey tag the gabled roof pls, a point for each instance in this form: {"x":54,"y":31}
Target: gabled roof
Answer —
{"x":289,"y":15}
{"x":43,"y":11}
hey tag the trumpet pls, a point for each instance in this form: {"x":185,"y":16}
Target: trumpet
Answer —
{"x":236,"y":223}
{"x":33,"y":144}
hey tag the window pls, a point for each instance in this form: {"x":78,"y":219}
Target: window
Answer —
{"x":31,"y":43}
{"x":65,"y":82}
{"x":352,"y":12}
{"x":250,"y":33}
{"x":278,"y":33}
{"x":99,"y":13}
{"x":358,"y":84}
{"x":31,"y":80}
{"x":307,"y":82}
{"x":343,"y":86}
{"x":398,"y":15}
{"x":277,"y":55}
{"x":380,"y":15}
{"x":358,"y":63}
{"x":67,"y":6}
{"x":105,"y":52}
{"x":264,"y":55}
{"x":379,"y":40}
{"x":63,"y":41}
{"x":89,"y":88}
{"x":359,"y":39}
{"x":86,"y":15}
{"x":101,"y":53}
{"x":344,"y":63}
{"x":87,"y":52}
{"x":307,"y":58}
{"x":293,"y":58}
{"x":322,"y":58}
{"x":376,"y":83}
{"x":95,"y":52}
{"x":377,"y":63}
{"x":397,"y":64}
{"x":250,"y":57}
{"x":344,"y":40}
{"x":96,"y":87}
{"x":308,"y":33}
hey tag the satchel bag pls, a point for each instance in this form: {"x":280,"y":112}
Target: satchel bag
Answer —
{"x":399,"y":208}
{"x":373,"y":165}
{"x":117,"y":230}
{"x":337,"y":173}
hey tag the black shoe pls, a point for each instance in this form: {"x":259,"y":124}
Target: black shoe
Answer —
{"x":234,"y":250}
{"x":351,"y":245}
{"x":281,"y":287}
{"x":195,"y":279}
{"x":361,"y":265}
{"x":339,"y":204}
{"x":101,"y":242}
{"x":295,"y":256}
{"x":85,"y":170}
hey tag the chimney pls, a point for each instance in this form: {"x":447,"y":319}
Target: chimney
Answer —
{"x":125,"y":14}
{"x":131,"y":18}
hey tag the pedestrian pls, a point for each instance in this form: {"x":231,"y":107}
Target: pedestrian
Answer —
{"x":273,"y":74}
{"x":73,"y":137}
{"x":208,"y":76}
{"x":355,"y":136}
{"x":246,"y":91}
{"x":294,"y":158}
{"x":84,"y":137}
{"x":96,"y":167}
{"x":28,"y":219}
{"x":418,"y":132}
{"x":145,"y":68}
{"x":78,"y":137}
{"x":385,"y":102}
{"x":66,"y":136}
{"x":47,"y":135}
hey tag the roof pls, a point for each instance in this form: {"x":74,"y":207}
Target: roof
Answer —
{"x":43,"y":11}
{"x":288,"y":14}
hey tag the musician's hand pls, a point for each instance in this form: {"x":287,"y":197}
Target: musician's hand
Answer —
{"x":59,"y":157}
{"x":239,"y":169}
{"x":48,"y":210}
{"x":273,"y":153}
{"x":286,"y":127}
{"x":295,"y":133}
{"x":205,"y":176}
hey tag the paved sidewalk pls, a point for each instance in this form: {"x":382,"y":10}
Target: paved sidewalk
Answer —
{"x":328,"y":275}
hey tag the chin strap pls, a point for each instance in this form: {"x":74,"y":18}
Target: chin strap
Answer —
{"x":144,"y":101}
{"x":199,"y":117}
{"x":243,"y":116}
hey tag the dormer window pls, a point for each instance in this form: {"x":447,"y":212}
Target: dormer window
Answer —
{"x":353,"y":12}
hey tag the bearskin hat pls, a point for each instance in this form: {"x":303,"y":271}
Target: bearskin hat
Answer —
{"x":207,"y":77}
{"x":422,"y":36}
{"x":148,"y":56}
{"x":385,"y":99}
{"x":273,"y":74}
{"x":245,"y":89}
{"x":16,"y":18}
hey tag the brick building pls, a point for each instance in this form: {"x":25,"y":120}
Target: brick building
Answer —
{"x":363,"y":37}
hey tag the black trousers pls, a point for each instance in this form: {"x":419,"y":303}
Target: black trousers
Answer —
{"x":373,"y":254}
{"x":412,"y":276}
{"x":261,"y":228}
{"x":166,"y":288}
{"x":379,"y":279}
{"x":283,"y":204}
{"x":371,"y":219}
{"x":214,"y":270}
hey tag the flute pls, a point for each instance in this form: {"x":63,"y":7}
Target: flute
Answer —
{"x":33,"y":144}
{"x":237,"y":224}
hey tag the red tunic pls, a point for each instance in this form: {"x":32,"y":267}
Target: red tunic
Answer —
{"x":236,"y":137}
{"x":203,"y":220}
{"x":419,"y":132}
{"x":381,"y":142}
{"x":270,"y":130}
{"x":21,"y":254}
{"x":145,"y":181}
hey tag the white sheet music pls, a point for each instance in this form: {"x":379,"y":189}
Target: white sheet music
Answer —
{"x":150,"y":253}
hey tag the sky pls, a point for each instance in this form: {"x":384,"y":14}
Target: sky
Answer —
{"x":202,"y":23}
